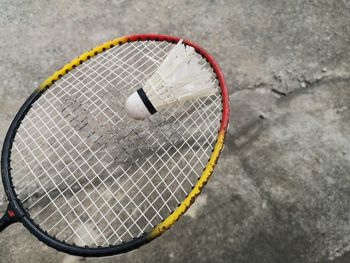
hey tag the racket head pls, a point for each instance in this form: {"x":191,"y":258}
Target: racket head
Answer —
{"x":22,"y":215}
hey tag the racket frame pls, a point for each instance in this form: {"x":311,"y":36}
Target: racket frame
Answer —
{"x":16,"y":212}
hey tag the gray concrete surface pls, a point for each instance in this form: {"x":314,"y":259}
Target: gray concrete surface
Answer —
{"x":281,"y":190}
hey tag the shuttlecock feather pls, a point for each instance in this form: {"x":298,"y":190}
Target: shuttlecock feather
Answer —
{"x":180,"y":77}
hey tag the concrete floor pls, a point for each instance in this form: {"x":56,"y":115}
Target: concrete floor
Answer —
{"x":281,"y":190}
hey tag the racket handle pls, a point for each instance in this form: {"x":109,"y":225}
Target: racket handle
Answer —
{"x":7,"y":219}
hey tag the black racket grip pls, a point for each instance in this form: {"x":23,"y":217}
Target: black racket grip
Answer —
{"x":8,"y":219}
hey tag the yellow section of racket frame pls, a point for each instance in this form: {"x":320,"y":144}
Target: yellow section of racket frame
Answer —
{"x":79,"y":60}
{"x":189,"y":200}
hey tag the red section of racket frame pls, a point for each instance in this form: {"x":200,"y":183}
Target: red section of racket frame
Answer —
{"x":209,"y":58}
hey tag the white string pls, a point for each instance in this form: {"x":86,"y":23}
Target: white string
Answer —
{"x":129,"y":175}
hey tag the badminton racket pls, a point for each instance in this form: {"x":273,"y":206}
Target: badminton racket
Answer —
{"x":88,"y":180}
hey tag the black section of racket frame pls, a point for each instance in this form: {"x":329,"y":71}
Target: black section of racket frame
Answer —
{"x":22,"y":216}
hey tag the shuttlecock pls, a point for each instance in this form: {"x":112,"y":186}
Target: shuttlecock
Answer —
{"x":180,"y":77}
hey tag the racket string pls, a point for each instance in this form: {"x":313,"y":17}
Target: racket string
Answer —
{"x":129,"y":176}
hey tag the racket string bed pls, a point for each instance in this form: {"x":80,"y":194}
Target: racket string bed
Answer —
{"x":89,"y":175}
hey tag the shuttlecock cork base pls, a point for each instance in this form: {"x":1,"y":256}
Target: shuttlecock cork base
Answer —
{"x":180,"y":77}
{"x":138,"y":106}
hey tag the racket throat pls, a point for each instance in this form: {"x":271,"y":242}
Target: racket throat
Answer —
{"x":8,"y":219}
